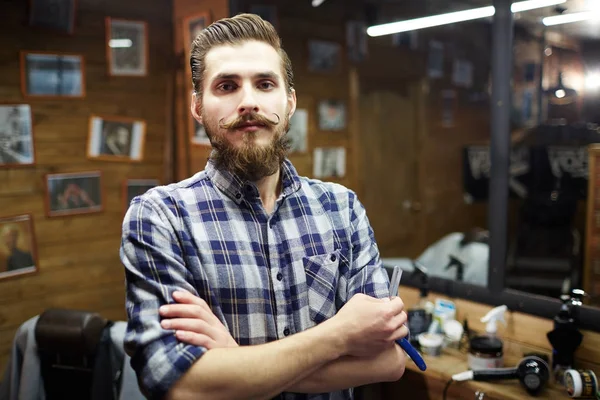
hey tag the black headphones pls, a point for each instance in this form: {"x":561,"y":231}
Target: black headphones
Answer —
{"x":532,"y":372}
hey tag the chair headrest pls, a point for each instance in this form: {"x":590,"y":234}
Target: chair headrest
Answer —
{"x":72,"y":332}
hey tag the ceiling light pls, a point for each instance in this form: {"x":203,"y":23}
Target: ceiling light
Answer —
{"x":453,"y":17}
{"x":317,"y":3}
{"x":120,"y":43}
{"x":567,"y":18}
{"x":560,"y":93}
{"x":592,"y":81}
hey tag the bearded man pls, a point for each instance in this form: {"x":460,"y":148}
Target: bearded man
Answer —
{"x":246,"y":280}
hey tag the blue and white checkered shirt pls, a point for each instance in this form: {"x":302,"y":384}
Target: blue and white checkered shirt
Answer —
{"x":264,"y":276}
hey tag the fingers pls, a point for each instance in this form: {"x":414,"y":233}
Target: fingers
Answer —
{"x":190,"y":324}
{"x":399,"y":333}
{"x":195,"y":339}
{"x":184,"y":297}
{"x":396,"y":304}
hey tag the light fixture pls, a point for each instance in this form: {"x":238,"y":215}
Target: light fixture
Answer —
{"x":560,"y":93}
{"x":568,"y":18}
{"x":120,"y":43}
{"x":592,"y":81}
{"x":317,"y":3}
{"x":453,"y":17}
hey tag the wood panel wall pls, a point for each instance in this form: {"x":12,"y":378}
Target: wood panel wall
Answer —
{"x":79,"y":265}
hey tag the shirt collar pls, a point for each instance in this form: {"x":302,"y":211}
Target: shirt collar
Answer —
{"x":238,"y":189}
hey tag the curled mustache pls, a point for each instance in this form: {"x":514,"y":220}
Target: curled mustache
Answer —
{"x":252,"y":117}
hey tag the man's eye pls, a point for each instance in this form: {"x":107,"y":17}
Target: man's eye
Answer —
{"x":226,"y":87}
{"x":266,"y":85}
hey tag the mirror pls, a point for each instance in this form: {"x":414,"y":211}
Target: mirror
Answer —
{"x":425,"y":155}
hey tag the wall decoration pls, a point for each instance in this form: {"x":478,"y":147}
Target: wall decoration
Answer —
{"x":16,"y":135}
{"x":448,"y":107}
{"x":323,"y":56}
{"x":136,"y":187}
{"x":268,"y":12}
{"x":74,"y":193}
{"x":329,"y":162}
{"x":45,"y":74}
{"x":53,"y":14}
{"x":126,"y":47}
{"x":435,"y":59}
{"x":356,"y":40}
{"x":116,"y":138}
{"x":17,"y":246}
{"x":298,"y":133}
{"x":406,"y":39}
{"x":462,"y":73}
{"x":332,"y":115}
{"x":192,"y":26}
{"x":198,"y":134}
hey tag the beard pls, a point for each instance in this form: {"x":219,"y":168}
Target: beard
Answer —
{"x":247,"y":160}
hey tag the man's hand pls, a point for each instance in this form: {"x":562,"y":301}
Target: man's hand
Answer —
{"x":370,"y":325}
{"x":194,"y":322}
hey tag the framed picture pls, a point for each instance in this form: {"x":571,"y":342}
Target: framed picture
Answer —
{"x":356,"y":41}
{"x":435,"y":59}
{"x":298,"y":132}
{"x":198,"y":134}
{"x":18,"y":253}
{"x":268,"y":12}
{"x":136,"y":187}
{"x":16,"y":135}
{"x":45,"y":74}
{"x":462,"y":73}
{"x":126,"y":47}
{"x":74,"y":193}
{"x":192,"y":26}
{"x":332,"y":115}
{"x":324,"y":56}
{"x":329,"y":162}
{"x":449,"y":104}
{"x":116,"y":138}
{"x":57,"y":15}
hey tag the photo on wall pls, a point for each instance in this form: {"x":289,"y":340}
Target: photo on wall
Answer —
{"x":192,"y":26}
{"x":329,"y":162}
{"x":45,"y":74}
{"x":298,"y":133}
{"x":74,"y":193}
{"x":17,"y":246}
{"x":136,"y":187}
{"x":126,"y":47}
{"x":16,"y":135}
{"x":198,"y":134}
{"x":114,"y":138}
{"x":324,"y":56}
{"x":332,"y":115}
{"x":58,"y":15}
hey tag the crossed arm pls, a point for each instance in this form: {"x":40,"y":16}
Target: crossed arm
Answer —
{"x":194,"y":323}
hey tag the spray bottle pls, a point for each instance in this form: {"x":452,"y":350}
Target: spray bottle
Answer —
{"x":486,"y":351}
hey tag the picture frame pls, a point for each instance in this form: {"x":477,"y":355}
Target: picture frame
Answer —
{"x":57,"y":15}
{"x":196,"y":132}
{"x":18,"y":249}
{"x":126,"y":47}
{"x":435,"y":59}
{"x":116,"y":138}
{"x":74,"y":193}
{"x":17,"y":146}
{"x":324,"y":56}
{"x":135,"y":187}
{"x":192,"y":26}
{"x":52,"y":75}
{"x":332,"y":115}
{"x":356,"y":41}
{"x":298,"y":132}
{"x":268,"y":12}
{"x":329,"y":162}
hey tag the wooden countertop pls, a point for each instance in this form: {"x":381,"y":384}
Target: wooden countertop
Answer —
{"x":452,"y":361}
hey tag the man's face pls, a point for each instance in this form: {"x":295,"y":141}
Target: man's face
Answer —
{"x":245,"y":108}
{"x":10,"y":238}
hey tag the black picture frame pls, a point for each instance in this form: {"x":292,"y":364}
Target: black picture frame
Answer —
{"x":56,"y":15}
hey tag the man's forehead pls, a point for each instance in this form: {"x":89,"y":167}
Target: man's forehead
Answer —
{"x":247,"y":59}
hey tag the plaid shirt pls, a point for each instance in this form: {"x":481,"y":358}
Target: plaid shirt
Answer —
{"x":264,"y":276}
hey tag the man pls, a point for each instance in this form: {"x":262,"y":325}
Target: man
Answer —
{"x":269,"y":284}
{"x":17,"y":258}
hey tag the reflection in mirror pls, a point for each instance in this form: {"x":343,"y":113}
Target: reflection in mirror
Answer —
{"x":555,"y":116}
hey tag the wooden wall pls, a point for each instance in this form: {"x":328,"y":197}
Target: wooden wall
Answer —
{"x":78,"y":256}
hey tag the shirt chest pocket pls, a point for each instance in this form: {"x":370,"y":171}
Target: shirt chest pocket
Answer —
{"x":322,"y":275}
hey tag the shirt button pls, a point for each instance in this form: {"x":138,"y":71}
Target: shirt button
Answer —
{"x":279,"y":276}
{"x":238,"y":195}
{"x":286,"y":331}
{"x":333,"y":257}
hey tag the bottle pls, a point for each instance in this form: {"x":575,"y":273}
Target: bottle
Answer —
{"x":419,"y":315}
{"x":486,"y":351}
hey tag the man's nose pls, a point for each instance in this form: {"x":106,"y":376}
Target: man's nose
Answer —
{"x":249,"y":102}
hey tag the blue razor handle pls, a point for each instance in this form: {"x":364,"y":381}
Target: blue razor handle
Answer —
{"x":404,"y":343}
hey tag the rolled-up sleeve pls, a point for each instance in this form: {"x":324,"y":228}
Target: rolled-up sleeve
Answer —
{"x":367,"y":274}
{"x":152,"y":255}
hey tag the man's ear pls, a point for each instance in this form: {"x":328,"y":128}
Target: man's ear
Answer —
{"x":292,"y":102}
{"x":195,"y":108}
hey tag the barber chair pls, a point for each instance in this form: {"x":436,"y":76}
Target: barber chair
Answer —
{"x":68,"y":342}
